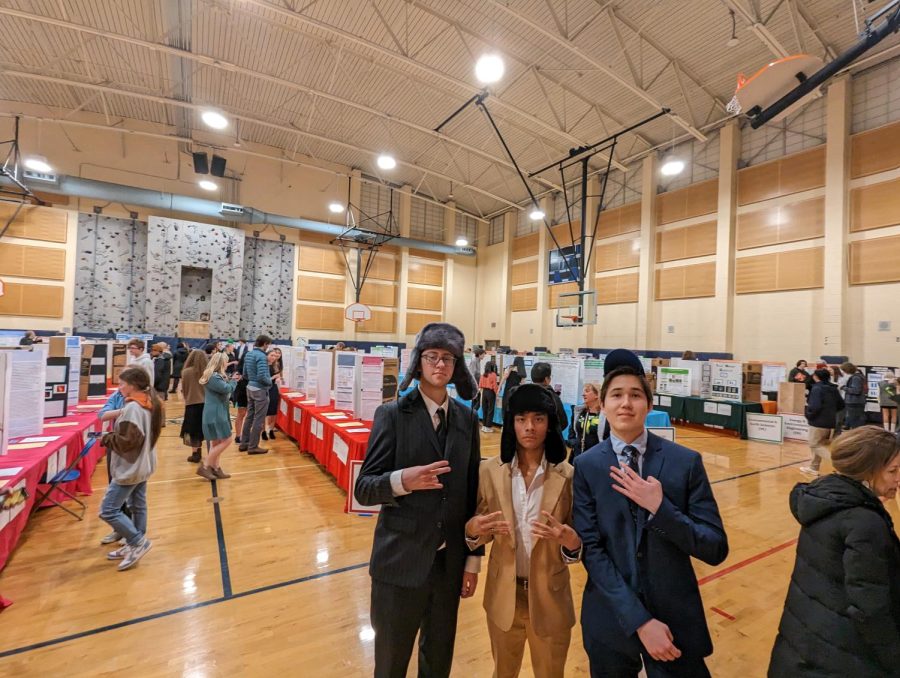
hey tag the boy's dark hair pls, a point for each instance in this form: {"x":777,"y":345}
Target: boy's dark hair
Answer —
{"x":626,"y":370}
{"x":262,"y":340}
{"x":823,"y":374}
{"x":540,"y":372}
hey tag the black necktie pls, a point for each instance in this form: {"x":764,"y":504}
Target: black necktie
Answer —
{"x":441,"y":430}
{"x":631,"y":460}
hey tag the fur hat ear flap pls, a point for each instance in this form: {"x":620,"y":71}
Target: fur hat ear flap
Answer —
{"x":531,"y":398}
{"x":463,"y":380}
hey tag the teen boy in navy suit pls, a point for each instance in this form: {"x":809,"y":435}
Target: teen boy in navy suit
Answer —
{"x":642,"y":507}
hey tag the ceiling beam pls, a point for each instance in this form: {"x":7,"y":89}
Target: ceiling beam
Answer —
{"x":758,"y":29}
{"x":222,"y":65}
{"x":603,"y":68}
{"x":165,"y":101}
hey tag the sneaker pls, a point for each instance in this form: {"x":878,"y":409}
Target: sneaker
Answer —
{"x":485,"y":429}
{"x":206,"y":472}
{"x":258,"y":450}
{"x":119,"y":553}
{"x":134,"y":554}
{"x":220,"y":474}
{"x":111,"y":538}
{"x":808,"y":470}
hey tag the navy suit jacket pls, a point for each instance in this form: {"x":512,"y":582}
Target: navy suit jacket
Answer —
{"x":642,"y":572}
{"x":411,"y":527}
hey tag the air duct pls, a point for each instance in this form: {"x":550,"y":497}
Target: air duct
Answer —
{"x":171,"y":202}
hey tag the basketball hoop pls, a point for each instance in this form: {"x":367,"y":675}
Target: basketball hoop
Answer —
{"x":773,"y":81}
{"x":577,"y":309}
{"x":358,"y":313}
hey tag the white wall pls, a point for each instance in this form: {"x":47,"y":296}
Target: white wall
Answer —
{"x":781,"y":326}
{"x":866,"y":306}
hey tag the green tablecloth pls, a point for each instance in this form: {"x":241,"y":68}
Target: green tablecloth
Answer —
{"x":694,"y":411}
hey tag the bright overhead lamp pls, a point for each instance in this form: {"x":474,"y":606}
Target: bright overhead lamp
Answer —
{"x":38,"y":163}
{"x":461,"y":242}
{"x":489,"y":68}
{"x":386,"y":162}
{"x":335,"y":207}
{"x":208,"y":185}
{"x":671,"y":166}
{"x":536,"y":214}
{"x":214,"y":119}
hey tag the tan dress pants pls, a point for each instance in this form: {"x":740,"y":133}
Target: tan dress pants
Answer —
{"x":548,"y":653}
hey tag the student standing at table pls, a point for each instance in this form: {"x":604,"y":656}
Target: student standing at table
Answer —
{"x":256,"y":372}
{"x":276,"y":368}
{"x":133,"y":460}
{"x":643,"y":508}
{"x":422,"y":466}
{"x":525,"y":508}
{"x":111,"y":409}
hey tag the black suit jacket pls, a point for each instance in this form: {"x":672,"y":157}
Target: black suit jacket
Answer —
{"x":640,"y":572}
{"x":410,"y":528}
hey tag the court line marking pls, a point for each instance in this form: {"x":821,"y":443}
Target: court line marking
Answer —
{"x":236,"y":473}
{"x":220,"y":537}
{"x":723,"y":613}
{"x":744,"y":563}
{"x":176,"y":610}
{"x":757,"y":472}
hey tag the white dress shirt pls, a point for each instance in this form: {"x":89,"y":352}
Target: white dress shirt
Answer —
{"x":473,"y":563}
{"x":526,"y":503}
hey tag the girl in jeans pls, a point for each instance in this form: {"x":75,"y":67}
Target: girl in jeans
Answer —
{"x":132,"y":461}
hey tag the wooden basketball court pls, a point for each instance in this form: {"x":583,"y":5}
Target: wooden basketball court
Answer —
{"x":264,"y":574}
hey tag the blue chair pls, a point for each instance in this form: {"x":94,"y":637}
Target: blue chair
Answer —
{"x":67,"y":475}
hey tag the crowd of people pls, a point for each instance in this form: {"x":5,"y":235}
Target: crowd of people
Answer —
{"x":633,"y":508}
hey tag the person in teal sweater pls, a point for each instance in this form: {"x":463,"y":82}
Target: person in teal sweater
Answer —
{"x":216,"y":419}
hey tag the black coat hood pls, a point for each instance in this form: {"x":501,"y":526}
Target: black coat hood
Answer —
{"x":811,"y":502}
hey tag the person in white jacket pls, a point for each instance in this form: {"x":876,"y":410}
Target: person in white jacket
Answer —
{"x":132,"y":460}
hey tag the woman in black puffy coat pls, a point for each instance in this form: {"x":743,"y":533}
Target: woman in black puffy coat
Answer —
{"x":842,"y":613}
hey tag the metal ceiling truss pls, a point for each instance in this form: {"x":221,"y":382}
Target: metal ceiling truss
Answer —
{"x":11,"y":170}
{"x":367,"y":241}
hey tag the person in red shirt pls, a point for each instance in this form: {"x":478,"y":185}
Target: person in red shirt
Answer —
{"x":489,"y":387}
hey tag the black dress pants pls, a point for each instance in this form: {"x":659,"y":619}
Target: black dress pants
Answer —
{"x":610,"y":663}
{"x":399,"y":613}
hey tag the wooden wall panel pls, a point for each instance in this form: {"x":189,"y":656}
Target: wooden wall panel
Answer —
{"x":692,"y":201}
{"x":780,"y":271}
{"x":876,"y":150}
{"x":25,"y":261}
{"x":424,"y":299}
{"x":312,"y":317}
{"x":36,"y":223}
{"x":322,"y":260}
{"x":791,"y":174}
{"x":383,"y":268}
{"x":526,"y":246}
{"x":317,"y":288}
{"x":39,"y":301}
{"x":524,"y":299}
{"x":381,"y":321}
{"x":622,"y":254}
{"x":561,"y":231}
{"x":775,"y":225}
{"x":416,"y":321}
{"x":421,"y":273}
{"x":427,"y":254}
{"x":698,"y":240}
{"x":686,"y":282}
{"x":557,"y":290}
{"x":524,"y":273}
{"x":624,"y":219}
{"x":875,"y":206}
{"x":373,"y":294}
{"x":617,"y":289}
{"x":875,"y":261}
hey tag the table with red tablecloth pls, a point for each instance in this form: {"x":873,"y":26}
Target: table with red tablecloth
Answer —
{"x":71,"y":433}
{"x":315,"y":429}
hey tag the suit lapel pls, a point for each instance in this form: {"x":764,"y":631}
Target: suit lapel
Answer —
{"x":652,"y":465}
{"x":554,"y":483}
{"x":457,"y":436}
{"x":502,"y":477}
{"x":424,"y":423}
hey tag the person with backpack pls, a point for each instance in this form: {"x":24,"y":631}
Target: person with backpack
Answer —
{"x":822,"y":406}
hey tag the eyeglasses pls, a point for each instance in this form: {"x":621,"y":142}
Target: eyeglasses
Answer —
{"x":433,"y":359}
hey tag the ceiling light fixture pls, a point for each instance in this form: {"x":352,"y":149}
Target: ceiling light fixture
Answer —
{"x":208,"y":185}
{"x":38,"y":163}
{"x":671,"y":166}
{"x":214,"y":119}
{"x":489,"y":68}
{"x":536,"y":214}
{"x":461,"y":242}
{"x":335,"y":207}
{"x":386,"y":162}
{"x":733,"y":40}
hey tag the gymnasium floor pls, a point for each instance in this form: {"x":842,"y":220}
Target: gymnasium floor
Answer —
{"x":264,"y":574}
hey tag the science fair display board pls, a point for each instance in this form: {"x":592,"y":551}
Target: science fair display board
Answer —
{"x":674,"y":381}
{"x":726,"y":379}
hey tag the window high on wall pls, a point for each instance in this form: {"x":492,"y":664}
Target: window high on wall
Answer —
{"x":495,"y":230}
{"x":467,"y":227}
{"x":525,"y":225}
{"x":876,"y":96}
{"x":623,"y":188}
{"x":426,"y":220}
{"x":701,"y":162}
{"x":376,"y":202}
{"x":573,"y":194}
{"x":798,"y":132}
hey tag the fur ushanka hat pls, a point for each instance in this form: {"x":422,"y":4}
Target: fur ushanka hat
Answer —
{"x":531,"y":398}
{"x":449,"y":338}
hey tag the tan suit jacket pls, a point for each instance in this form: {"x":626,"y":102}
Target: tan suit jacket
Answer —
{"x":549,"y":594}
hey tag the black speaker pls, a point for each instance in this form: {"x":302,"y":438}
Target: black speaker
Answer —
{"x":217,"y":167}
{"x":201,"y":163}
